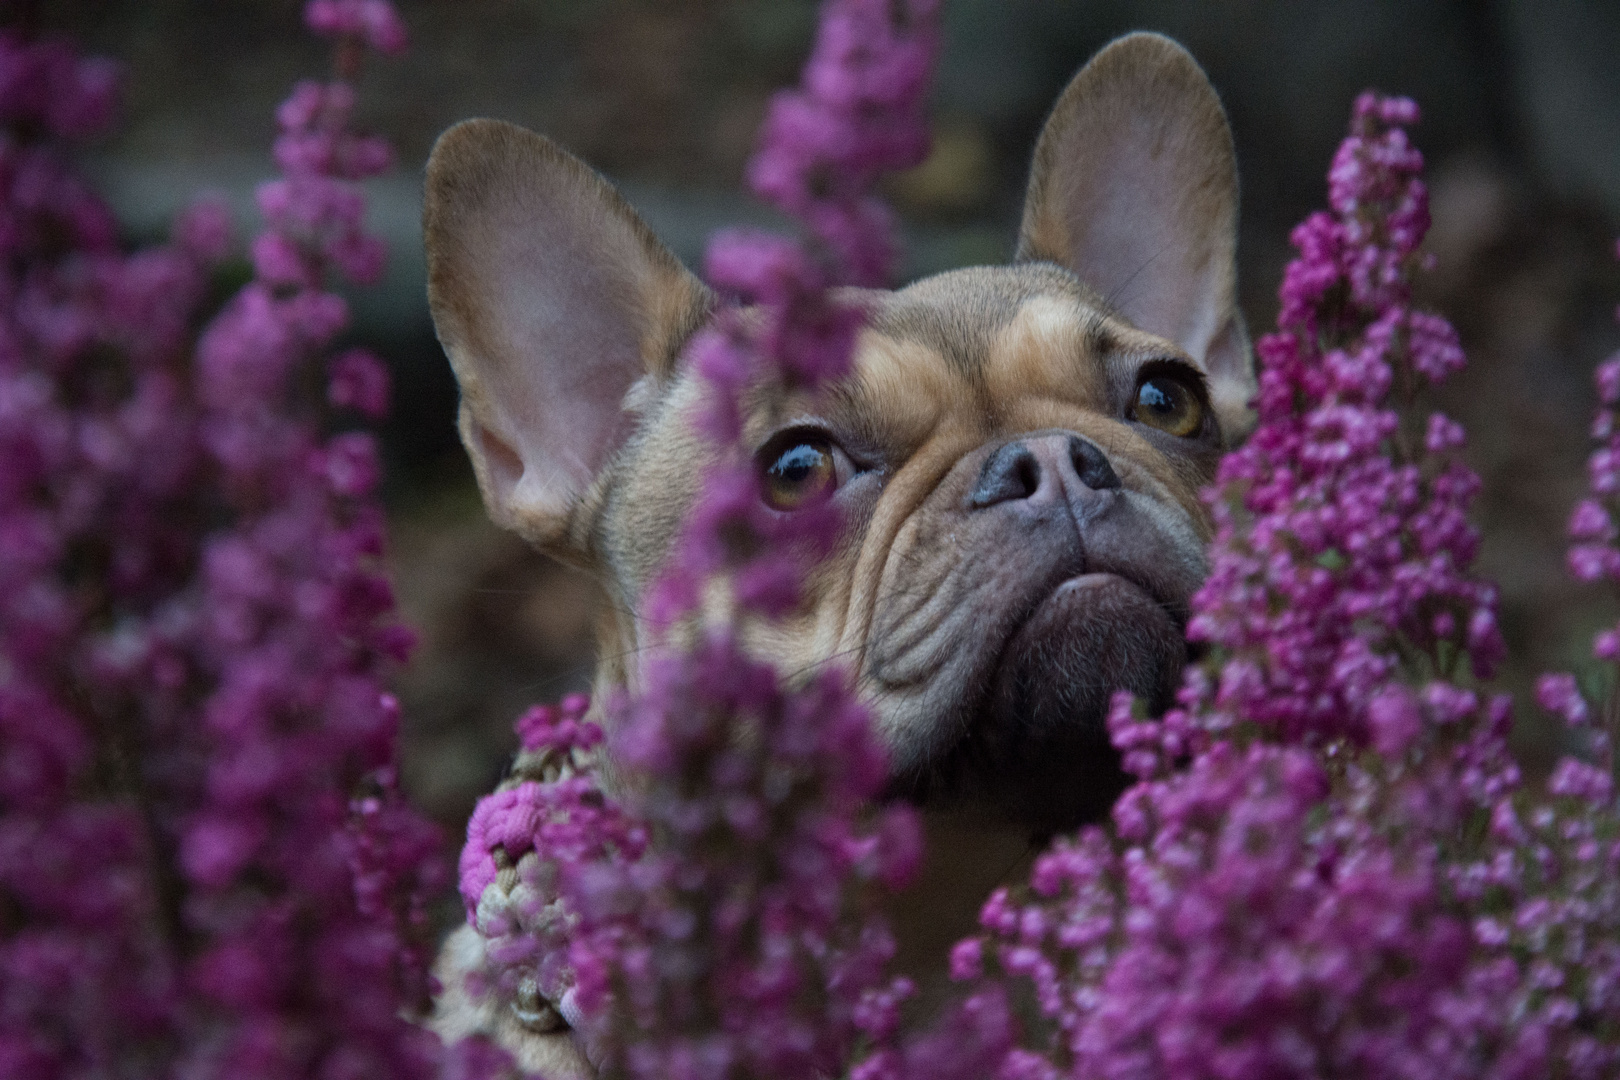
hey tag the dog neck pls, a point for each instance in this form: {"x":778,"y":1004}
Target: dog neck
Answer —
{"x":968,"y":856}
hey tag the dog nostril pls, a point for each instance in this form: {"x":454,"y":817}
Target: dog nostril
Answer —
{"x":1026,"y":476}
{"x":1012,"y":472}
{"x":1091,"y":464}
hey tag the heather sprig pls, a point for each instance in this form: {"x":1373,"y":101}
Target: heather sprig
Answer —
{"x":859,"y":112}
{"x":1342,"y":544}
{"x":1329,"y":866}
{"x":90,"y":973}
{"x":205,"y":865}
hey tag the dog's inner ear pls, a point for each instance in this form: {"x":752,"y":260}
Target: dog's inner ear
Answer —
{"x":552,"y":299}
{"x":1134,"y":188}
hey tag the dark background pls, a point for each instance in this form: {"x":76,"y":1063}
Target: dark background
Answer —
{"x":1522,"y":132}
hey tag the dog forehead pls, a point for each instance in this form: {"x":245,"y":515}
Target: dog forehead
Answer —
{"x":971,"y":345}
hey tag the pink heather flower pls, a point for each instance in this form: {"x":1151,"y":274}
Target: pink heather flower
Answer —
{"x":48,"y":84}
{"x":1608,"y":379}
{"x":351,"y":465}
{"x":278,"y":261}
{"x":373,"y":21}
{"x":1559,"y":694}
{"x":1443,"y":434}
{"x":358,"y":381}
{"x":1591,"y":521}
{"x":561,"y":728}
{"x":203,"y":230}
{"x":1395,"y":720}
{"x":1589,"y":562}
{"x":1606,"y":645}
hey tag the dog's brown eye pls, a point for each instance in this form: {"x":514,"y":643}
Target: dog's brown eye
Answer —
{"x":1169,"y":405}
{"x":799,"y":471}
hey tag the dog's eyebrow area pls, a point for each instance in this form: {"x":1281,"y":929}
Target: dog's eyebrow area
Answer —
{"x":1052,"y":348}
{"x":974,"y":350}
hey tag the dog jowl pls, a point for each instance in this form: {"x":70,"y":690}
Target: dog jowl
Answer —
{"x":1017,"y":451}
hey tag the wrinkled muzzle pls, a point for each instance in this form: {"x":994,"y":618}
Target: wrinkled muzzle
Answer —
{"x":1039,"y":578}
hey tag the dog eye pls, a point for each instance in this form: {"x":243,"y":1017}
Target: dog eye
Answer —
{"x":1170,"y":405}
{"x":798,"y":470}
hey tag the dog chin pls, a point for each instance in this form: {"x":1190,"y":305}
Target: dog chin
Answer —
{"x":1035,"y":750}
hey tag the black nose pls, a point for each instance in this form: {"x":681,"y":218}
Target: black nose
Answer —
{"x":1018,"y":469}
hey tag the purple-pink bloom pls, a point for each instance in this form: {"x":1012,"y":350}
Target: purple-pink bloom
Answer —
{"x":374,"y":22}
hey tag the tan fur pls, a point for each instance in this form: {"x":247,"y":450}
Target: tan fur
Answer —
{"x":564,"y":317}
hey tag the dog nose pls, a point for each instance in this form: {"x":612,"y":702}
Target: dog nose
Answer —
{"x":1020,"y":469}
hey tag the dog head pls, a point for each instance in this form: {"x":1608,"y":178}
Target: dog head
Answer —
{"x":1017,"y":452}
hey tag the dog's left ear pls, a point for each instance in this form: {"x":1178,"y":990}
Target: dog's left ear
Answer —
{"x":1134,"y":188}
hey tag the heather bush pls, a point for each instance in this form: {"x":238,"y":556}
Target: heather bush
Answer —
{"x":1328,"y":865}
{"x":205,"y":865}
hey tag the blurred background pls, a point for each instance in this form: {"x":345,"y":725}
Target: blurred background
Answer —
{"x":1521,"y":103}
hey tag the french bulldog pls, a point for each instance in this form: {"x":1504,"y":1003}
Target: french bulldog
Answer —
{"x":1017,"y":454}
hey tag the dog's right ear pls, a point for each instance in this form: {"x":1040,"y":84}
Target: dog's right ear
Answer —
{"x":553,"y":300}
